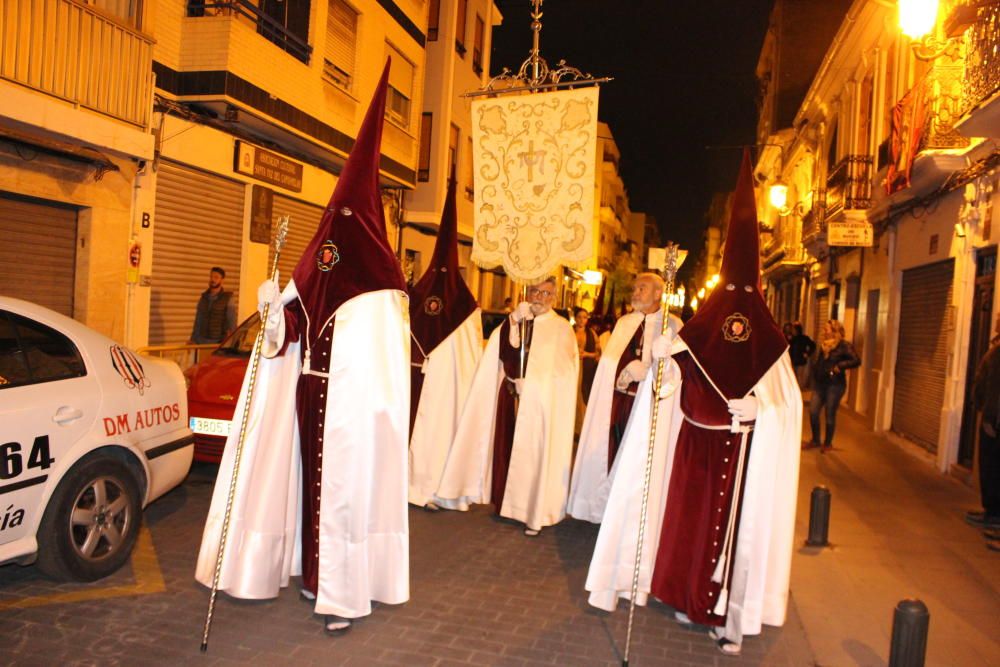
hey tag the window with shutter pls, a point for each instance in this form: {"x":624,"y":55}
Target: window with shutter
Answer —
{"x":477,"y":46}
{"x":424,"y":167}
{"x":463,"y":10}
{"x":433,"y":19}
{"x":397,"y":106}
{"x":341,"y":41}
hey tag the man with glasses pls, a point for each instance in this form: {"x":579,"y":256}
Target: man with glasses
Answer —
{"x":514,"y":442}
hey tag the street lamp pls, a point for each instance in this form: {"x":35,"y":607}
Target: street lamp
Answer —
{"x":778,"y":196}
{"x":917,"y":17}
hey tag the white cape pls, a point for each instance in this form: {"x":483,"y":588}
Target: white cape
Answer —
{"x":538,"y":476}
{"x":364,"y":545}
{"x":762,"y":563}
{"x":591,"y":481}
{"x":448,"y":375}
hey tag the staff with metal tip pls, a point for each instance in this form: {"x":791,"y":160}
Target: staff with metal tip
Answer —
{"x":279,"y":242}
{"x":672,"y":260}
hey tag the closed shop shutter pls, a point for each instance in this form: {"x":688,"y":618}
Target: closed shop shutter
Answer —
{"x":38,"y":253}
{"x":198,"y":225}
{"x":303,"y":220}
{"x":922,"y":357}
{"x":822,"y":311}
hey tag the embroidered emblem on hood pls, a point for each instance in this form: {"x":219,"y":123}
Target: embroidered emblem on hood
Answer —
{"x":327,"y":256}
{"x":433,"y":305}
{"x":736,"y":328}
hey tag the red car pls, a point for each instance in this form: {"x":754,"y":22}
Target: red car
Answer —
{"x":213,"y":387}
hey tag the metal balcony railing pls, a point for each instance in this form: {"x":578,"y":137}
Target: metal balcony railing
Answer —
{"x":982,"y":61}
{"x":849,"y":185}
{"x":814,"y":221}
{"x":272,"y":30}
{"x":67,"y":50}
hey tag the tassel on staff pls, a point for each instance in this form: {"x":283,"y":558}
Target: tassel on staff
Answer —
{"x":279,"y":243}
{"x":672,"y":261}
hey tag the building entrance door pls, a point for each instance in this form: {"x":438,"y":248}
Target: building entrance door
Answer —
{"x":979,"y":343}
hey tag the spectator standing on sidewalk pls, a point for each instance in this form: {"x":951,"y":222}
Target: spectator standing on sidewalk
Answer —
{"x":589,"y":348}
{"x":215,"y":316}
{"x":801,"y":348}
{"x":829,"y":376}
{"x":986,"y":395}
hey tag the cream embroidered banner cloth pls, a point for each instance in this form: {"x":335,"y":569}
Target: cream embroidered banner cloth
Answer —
{"x":534,"y":161}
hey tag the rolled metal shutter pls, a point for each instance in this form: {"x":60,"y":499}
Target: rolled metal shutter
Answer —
{"x":198,"y":225}
{"x":922,"y":357}
{"x":303,"y":220}
{"x":38,"y":253}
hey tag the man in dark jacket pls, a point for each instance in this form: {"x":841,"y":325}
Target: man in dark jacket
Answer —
{"x":986,"y":395}
{"x":800,"y":348}
{"x":216,"y":315}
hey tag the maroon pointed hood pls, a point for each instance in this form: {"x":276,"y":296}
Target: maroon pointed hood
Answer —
{"x":733,"y":336}
{"x":350,"y":253}
{"x":440,"y":301}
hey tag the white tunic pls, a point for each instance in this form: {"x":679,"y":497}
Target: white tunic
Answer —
{"x":448,"y":375}
{"x":762,"y":563}
{"x":591,"y":482}
{"x":364,"y":545}
{"x":538,"y":476}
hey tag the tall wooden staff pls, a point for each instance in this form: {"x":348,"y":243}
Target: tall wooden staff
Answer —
{"x":670,"y":264}
{"x":279,"y":243}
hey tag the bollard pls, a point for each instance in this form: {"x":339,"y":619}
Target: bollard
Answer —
{"x":910,"y":621}
{"x":819,"y":517}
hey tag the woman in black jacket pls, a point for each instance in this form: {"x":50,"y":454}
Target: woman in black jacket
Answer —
{"x":833,"y":358}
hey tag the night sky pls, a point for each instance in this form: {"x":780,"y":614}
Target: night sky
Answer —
{"x":684,"y":80}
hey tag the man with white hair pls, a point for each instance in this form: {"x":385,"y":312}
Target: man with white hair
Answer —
{"x":625,"y":361}
{"x":514,"y":442}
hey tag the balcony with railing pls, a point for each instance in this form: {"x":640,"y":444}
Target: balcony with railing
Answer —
{"x":849,"y":185}
{"x":76,"y":53}
{"x":814,"y":220}
{"x":278,"y":32}
{"x":981,"y":80}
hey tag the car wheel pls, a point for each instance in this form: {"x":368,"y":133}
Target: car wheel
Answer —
{"x":91,"y":522}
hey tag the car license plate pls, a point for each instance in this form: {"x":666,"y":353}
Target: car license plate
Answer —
{"x":203,"y":426}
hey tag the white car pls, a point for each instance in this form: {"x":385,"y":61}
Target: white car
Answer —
{"x":89,"y":435}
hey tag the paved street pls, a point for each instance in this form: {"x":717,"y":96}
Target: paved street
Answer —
{"x":483,"y":594}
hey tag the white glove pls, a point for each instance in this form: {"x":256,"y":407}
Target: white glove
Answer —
{"x":268,"y":294}
{"x":519,"y":385}
{"x":522,"y":312}
{"x":634,"y":371}
{"x":744,"y":409}
{"x":661,"y":345}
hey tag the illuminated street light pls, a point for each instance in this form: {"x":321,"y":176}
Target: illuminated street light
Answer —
{"x":917,"y":17}
{"x":592,"y":277}
{"x":778,"y":196}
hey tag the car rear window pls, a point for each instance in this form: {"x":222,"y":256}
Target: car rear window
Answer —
{"x":31,"y":352}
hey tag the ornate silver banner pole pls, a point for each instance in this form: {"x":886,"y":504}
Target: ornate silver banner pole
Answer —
{"x":279,"y":243}
{"x":670,"y":265}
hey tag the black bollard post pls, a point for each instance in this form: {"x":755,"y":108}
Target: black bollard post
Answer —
{"x":910,"y":621}
{"x":819,"y":517}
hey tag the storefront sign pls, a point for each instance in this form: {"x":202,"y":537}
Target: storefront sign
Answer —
{"x":267,"y":166}
{"x":849,"y":234}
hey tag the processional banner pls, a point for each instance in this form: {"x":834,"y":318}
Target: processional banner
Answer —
{"x":534,"y":158}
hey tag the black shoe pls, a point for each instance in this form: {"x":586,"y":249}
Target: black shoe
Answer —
{"x":975,"y":517}
{"x":982,"y":519}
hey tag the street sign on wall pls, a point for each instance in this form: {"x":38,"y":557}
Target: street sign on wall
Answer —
{"x":849,"y":234}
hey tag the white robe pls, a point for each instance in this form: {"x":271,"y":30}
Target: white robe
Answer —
{"x":591,"y":481}
{"x":762,"y":563}
{"x":448,"y":374}
{"x":364,"y":544}
{"x":538,"y":475}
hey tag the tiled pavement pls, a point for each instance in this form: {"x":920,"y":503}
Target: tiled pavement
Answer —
{"x":481,"y":594}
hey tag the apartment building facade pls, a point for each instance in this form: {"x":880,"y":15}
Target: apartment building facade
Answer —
{"x":891,"y":170}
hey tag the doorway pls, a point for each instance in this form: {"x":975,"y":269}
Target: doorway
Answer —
{"x":979,"y":343}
